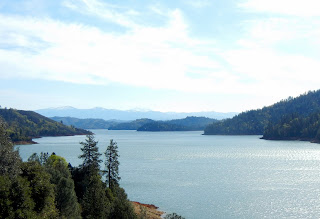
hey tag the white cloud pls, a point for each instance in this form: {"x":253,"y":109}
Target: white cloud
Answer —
{"x":104,"y":10}
{"x":158,"y":57}
{"x":155,"y":57}
{"x":277,"y":52}
{"x":306,"y":8}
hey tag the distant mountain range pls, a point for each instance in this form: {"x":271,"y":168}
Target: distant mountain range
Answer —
{"x":127,"y":115}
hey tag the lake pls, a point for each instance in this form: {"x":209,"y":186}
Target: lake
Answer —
{"x":205,"y":177}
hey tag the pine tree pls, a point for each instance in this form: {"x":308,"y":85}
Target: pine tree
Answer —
{"x":66,"y":199}
{"x":112,"y":164}
{"x":10,"y":159}
{"x":90,"y":156}
{"x":95,"y":203}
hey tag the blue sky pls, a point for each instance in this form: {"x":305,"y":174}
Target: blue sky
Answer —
{"x":182,"y":55}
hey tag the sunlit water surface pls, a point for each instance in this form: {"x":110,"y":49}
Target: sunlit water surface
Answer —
{"x":200,"y":176}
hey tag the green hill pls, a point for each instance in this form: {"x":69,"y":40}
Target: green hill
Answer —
{"x":254,"y":122}
{"x":191,"y":123}
{"x":133,"y":125}
{"x":295,"y":127}
{"x":22,"y":126}
{"x":162,"y":126}
{"x":86,"y":123}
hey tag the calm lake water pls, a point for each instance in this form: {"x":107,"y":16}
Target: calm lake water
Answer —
{"x":204,"y":177}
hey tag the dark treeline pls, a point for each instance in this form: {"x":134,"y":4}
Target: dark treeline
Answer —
{"x":190,"y":123}
{"x":85,"y":123}
{"x":254,"y":122}
{"x":47,"y":187}
{"x":295,"y":127}
{"x":25,"y":125}
{"x":162,"y":126}
{"x":133,"y":125}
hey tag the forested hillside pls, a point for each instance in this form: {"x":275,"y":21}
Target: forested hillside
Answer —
{"x":133,"y":125}
{"x":295,"y":127}
{"x":191,"y":123}
{"x":254,"y":122}
{"x":86,"y":123}
{"x":25,"y":125}
{"x":162,"y":126}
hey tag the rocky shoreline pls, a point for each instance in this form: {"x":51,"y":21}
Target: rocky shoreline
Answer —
{"x":149,"y":210}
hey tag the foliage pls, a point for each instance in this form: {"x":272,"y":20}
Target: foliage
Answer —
{"x":254,"y":122}
{"x":193,"y":123}
{"x":91,"y":155}
{"x":42,"y":191}
{"x":25,"y":125}
{"x":173,"y":216}
{"x":134,"y":125}
{"x":9,"y":158}
{"x":190,"y":123}
{"x":95,"y":203}
{"x":43,"y":187}
{"x":295,"y":127}
{"x":16,"y":201}
{"x":85,"y":123}
{"x":112,"y":164}
{"x":66,"y":199}
{"x":161,"y":126}
{"x":121,"y":206}
{"x":96,"y":199}
{"x":42,"y":159}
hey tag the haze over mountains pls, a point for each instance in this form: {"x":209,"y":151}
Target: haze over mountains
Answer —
{"x":112,"y":114}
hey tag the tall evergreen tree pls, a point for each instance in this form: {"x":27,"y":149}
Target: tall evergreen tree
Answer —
{"x":9,"y":158}
{"x":122,"y":207}
{"x":112,"y":164}
{"x":91,"y":155}
{"x":90,"y":189}
{"x":66,"y":199}
{"x":95,"y":203}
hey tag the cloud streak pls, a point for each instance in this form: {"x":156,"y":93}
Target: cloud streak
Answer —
{"x":165,"y":56}
{"x":155,"y":57}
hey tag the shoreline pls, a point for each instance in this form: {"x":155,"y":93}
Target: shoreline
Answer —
{"x":33,"y":142}
{"x":25,"y":142}
{"x":149,"y":210}
{"x":311,"y":140}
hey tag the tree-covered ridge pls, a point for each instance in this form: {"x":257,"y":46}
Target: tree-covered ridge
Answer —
{"x":254,"y":122}
{"x":295,"y":127}
{"x":162,"y":126}
{"x":190,"y":123}
{"x":193,"y":122}
{"x":133,"y":125}
{"x":86,"y":123}
{"x":25,"y":125}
